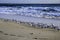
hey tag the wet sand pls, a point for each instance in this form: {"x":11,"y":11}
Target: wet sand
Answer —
{"x":13,"y":31}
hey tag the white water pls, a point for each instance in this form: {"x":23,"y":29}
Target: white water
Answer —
{"x":12,"y":14}
{"x":31,"y":19}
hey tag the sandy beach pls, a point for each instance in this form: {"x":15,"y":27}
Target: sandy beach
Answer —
{"x":13,"y":31}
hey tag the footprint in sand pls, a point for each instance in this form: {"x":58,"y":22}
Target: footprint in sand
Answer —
{"x":12,"y":34}
{"x":40,"y":38}
{"x":31,"y":33}
{"x":6,"y":34}
{"x":19,"y":36}
{"x":35,"y":38}
{"x":1,"y":32}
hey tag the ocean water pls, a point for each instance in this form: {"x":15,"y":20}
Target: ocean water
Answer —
{"x":31,"y":19}
{"x":31,"y":13}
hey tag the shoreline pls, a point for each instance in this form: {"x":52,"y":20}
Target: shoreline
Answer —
{"x":31,"y":24}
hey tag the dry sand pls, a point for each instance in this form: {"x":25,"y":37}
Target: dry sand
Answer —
{"x":14,"y":31}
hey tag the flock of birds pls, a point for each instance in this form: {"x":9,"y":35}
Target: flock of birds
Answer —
{"x":35,"y":25}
